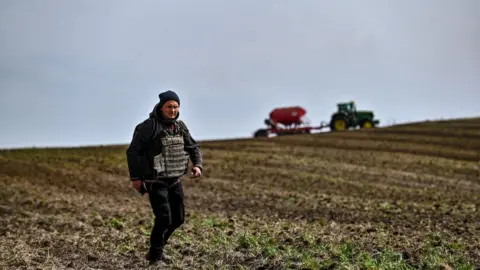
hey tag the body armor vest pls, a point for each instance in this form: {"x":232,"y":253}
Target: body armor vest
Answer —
{"x":172,"y":161}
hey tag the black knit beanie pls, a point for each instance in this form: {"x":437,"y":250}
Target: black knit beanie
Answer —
{"x":168,"y":95}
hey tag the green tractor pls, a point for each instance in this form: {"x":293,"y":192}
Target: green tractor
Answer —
{"x":348,"y":117}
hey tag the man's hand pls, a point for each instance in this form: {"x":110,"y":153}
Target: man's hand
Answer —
{"x":196,"y":172}
{"x":137,"y":184}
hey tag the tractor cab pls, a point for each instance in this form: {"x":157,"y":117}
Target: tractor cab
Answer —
{"x":349,"y":112}
{"x":347,"y":107}
{"x":347,"y":116}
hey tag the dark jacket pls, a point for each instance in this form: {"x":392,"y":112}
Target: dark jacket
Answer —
{"x":140,"y":151}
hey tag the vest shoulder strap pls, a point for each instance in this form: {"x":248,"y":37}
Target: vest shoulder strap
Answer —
{"x":183,"y":126}
{"x":159,"y":130}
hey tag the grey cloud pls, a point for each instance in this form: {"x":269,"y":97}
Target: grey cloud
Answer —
{"x":89,"y":70}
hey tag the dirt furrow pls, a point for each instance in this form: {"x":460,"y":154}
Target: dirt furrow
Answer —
{"x":383,"y":198}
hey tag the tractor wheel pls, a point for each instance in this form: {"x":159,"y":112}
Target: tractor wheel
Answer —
{"x":261,"y":133}
{"x":339,"y":124}
{"x":367,"y":124}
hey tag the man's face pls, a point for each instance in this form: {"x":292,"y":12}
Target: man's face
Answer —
{"x":170,"y":109}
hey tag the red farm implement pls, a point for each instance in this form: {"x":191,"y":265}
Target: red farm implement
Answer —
{"x":292,"y":120}
{"x":287,"y":121}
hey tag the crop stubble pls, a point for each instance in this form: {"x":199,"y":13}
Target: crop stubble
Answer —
{"x":396,"y":188}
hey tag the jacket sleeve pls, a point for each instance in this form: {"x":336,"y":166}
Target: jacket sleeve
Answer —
{"x":193,"y":148}
{"x":136,"y":151}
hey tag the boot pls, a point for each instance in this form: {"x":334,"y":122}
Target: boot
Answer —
{"x":157,"y":256}
{"x":154,"y":256}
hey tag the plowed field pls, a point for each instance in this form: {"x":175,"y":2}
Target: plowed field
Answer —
{"x":404,"y":197}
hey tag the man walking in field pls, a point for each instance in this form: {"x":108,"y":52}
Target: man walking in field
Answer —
{"x":157,"y":157}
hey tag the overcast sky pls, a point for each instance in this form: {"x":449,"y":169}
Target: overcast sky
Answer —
{"x":86,"y":72}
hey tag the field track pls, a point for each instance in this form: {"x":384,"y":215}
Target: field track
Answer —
{"x":402,"y":197}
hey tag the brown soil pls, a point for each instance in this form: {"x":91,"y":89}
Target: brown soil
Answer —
{"x":410,"y":188}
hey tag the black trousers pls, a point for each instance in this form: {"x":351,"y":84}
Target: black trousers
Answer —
{"x":168,"y":207}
